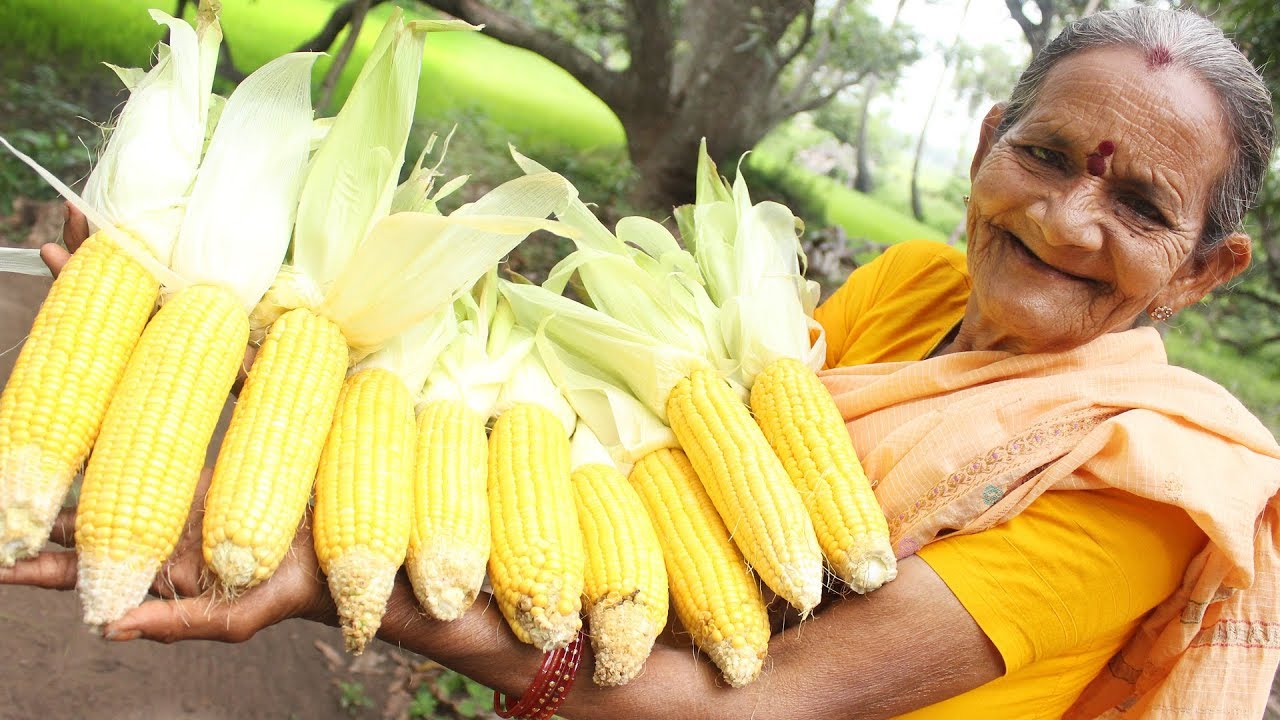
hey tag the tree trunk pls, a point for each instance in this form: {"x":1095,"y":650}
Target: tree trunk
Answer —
{"x":862,"y":180}
{"x":916,"y":208}
{"x":344,"y":53}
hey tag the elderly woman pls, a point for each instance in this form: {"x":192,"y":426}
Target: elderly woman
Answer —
{"x":1083,"y":529}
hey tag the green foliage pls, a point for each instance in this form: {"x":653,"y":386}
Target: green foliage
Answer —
{"x":39,"y":118}
{"x":353,"y":697}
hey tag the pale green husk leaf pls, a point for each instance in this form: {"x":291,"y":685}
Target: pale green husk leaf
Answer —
{"x":353,"y":177}
{"x":23,"y":261}
{"x":240,"y":214}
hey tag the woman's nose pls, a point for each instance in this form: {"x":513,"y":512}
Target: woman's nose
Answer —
{"x":1072,"y":218}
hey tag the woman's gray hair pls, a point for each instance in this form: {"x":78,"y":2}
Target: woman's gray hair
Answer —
{"x":1193,"y":42}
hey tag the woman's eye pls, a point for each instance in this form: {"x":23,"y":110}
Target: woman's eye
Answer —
{"x":1045,"y":155}
{"x":1143,"y":209}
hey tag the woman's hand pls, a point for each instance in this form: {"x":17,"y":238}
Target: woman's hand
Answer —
{"x":187,"y":609}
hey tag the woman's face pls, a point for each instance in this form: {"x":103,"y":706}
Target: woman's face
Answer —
{"x":1087,"y":212}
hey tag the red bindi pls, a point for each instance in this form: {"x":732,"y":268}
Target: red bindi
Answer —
{"x":1158,"y":57}
{"x":1096,"y":162}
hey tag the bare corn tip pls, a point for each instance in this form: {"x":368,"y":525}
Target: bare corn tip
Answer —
{"x":872,"y":573}
{"x":360,"y":582}
{"x":234,"y":565}
{"x":739,"y":665}
{"x":111,"y":588}
{"x":446,"y":581}
{"x":622,"y":637}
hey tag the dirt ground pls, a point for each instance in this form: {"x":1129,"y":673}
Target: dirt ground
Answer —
{"x":53,"y":669}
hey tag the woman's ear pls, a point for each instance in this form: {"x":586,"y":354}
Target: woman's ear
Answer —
{"x":1201,"y":276}
{"x":986,"y":136}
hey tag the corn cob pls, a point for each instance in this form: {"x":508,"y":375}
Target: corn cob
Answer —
{"x":537,"y":561}
{"x":267,"y":464}
{"x":364,"y":496}
{"x":53,"y":404}
{"x":715,"y":596}
{"x":764,"y":512}
{"x":805,"y":429}
{"x":625,"y":593}
{"x":142,"y":477}
{"x":449,"y":543}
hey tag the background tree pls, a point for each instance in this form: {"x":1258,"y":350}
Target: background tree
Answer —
{"x":675,"y":71}
{"x":1047,"y":17}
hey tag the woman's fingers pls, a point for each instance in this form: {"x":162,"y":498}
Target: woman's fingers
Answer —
{"x":50,"y":570}
{"x":75,"y":228}
{"x":64,"y":528}
{"x":198,"y":618}
{"x":54,"y":256}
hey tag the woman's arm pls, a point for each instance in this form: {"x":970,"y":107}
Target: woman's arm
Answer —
{"x":908,"y":645}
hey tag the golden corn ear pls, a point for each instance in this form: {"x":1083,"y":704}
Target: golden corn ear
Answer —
{"x":142,"y":476}
{"x":808,"y":433}
{"x":715,"y":596}
{"x":53,"y":404}
{"x":764,"y":512}
{"x":537,"y":561}
{"x":267,"y":463}
{"x":364,"y":499}
{"x":449,"y":542}
{"x":625,"y":594}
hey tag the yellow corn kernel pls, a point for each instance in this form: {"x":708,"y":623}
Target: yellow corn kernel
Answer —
{"x":364,"y":499}
{"x":764,"y":512}
{"x":807,"y":432}
{"x":625,"y":592}
{"x":715,"y":596}
{"x":267,"y":464}
{"x":53,"y":404}
{"x":537,"y":561}
{"x":142,"y":476}
{"x":449,"y":543}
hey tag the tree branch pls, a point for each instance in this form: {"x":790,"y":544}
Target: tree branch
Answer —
{"x":501,"y":26}
{"x":338,"y":19}
{"x":805,"y":36}
{"x":817,"y":101}
{"x":816,"y":61}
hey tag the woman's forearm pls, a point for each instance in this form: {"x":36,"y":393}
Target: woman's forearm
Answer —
{"x":908,"y":645}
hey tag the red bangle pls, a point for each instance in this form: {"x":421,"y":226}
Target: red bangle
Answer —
{"x":549,"y":688}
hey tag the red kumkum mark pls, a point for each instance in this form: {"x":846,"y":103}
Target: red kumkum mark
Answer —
{"x":1158,"y":57}
{"x":1097,"y":160}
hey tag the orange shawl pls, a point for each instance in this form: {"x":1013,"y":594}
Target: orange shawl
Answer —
{"x":965,"y":441}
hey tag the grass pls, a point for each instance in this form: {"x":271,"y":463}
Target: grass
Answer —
{"x":461,"y":71}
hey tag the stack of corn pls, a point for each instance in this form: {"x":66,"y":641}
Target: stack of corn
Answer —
{"x":96,"y":310}
{"x":622,"y":464}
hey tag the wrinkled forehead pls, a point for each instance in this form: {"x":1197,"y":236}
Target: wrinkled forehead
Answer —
{"x":1157,"y":113}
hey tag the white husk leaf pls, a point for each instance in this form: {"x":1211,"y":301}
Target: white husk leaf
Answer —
{"x":616,"y":417}
{"x":23,"y":261}
{"x":412,"y":354}
{"x":586,"y":449}
{"x":628,"y":357}
{"x":478,"y":362}
{"x":141,"y":180}
{"x":751,"y":258}
{"x":530,"y":384}
{"x":240,"y":214}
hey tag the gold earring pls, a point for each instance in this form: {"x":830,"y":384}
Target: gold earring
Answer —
{"x":1161,"y":313}
{"x":966,"y":201}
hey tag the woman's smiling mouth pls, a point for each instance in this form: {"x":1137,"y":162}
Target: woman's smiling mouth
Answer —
{"x":1021,"y":250}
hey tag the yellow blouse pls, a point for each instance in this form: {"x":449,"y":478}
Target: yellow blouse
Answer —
{"x":1060,"y":587}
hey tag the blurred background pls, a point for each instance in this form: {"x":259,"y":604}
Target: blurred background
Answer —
{"x":861,"y":115}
